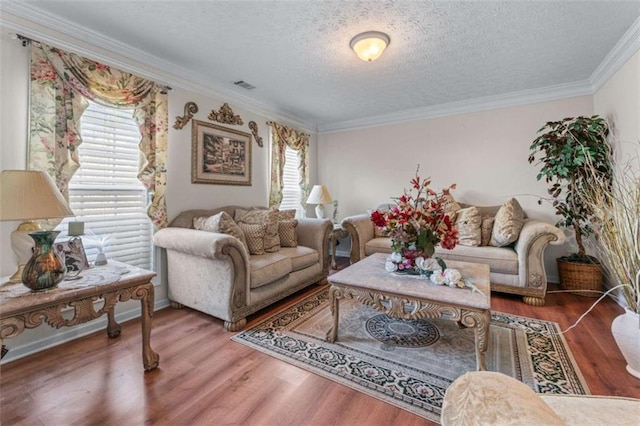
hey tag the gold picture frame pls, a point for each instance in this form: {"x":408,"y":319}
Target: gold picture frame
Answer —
{"x":220,"y":155}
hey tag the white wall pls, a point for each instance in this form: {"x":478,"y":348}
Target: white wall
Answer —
{"x":484,"y":153}
{"x":181,"y":193}
{"x":14,"y":101}
{"x":619,"y":101}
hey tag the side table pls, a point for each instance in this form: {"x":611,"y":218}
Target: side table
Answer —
{"x":20,"y":308}
{"x":338,"y":232}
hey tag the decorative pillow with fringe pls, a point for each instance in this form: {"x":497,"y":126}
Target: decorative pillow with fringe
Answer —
{"x":288,"y":233}
{"x":508,"y":224}
{"x":221,"y":223}
{"x":255,"y":235}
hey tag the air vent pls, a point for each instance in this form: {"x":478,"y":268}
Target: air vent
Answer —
{"x":244,"y":84}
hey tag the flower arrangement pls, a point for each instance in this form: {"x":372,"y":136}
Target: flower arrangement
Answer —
{"x":417,"y":224}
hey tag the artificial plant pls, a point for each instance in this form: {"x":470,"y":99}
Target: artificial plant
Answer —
{"x":569,"y":152}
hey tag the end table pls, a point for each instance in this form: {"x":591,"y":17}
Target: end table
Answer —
{"x":337,"y":232}
{"x":115,"y":282}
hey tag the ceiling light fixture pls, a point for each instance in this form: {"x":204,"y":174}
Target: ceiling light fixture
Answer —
{"x":370,"y":45}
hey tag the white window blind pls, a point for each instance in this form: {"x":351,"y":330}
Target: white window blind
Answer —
{"x":105,"y":192}
{"x":291,"y":192}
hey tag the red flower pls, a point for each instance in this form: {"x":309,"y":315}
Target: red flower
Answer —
{"x":378,"y":219}
{"x":407,"y":221}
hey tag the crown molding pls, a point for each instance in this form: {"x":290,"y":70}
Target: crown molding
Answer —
{"x":624,"y":49}
{"x":523,"y":97}
{"x":32,"y":23}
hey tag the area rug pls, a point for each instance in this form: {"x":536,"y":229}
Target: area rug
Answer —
{"x":410,"y":364}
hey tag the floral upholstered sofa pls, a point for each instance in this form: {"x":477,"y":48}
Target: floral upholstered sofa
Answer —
{"x":517,"y":267}
{"x":237,"y":262}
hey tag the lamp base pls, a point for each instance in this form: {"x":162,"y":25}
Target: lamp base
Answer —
{"x":22,"y":245}
{"x":320,"y":212}
{"x":17,"y":276}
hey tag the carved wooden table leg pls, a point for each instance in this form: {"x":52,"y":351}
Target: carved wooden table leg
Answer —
{"x":480,"y":321}
{"x":150,"y":359}
{"x":113,"y":328}
{"x":334,"y":306}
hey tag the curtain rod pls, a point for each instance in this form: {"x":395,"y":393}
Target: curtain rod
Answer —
{"x":271,"y":123}
{"x":26,"y":41}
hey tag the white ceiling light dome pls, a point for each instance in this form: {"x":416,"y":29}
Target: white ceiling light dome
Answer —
{"x":370,"y":45}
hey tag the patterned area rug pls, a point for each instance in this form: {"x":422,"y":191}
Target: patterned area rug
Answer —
{"x":410,"y":364}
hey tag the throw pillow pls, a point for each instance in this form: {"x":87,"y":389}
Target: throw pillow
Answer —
{"x":255,"y":235}
{"x":486,"y":229}
{"x":450,"y":207}
{"x":266,"y":217}
{"x":286,"y":214}
{"x":222,"y":223}
{"x":287,"y":232}
{"x":468,"y":223}
{"x":508,"y":223}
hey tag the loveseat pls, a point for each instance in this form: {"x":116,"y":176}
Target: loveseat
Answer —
{"x":215,"y":273}
{"x":489,"y":398}
{"x":517,"y":268}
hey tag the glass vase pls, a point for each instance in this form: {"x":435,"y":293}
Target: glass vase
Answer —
{"x":45,"y":269}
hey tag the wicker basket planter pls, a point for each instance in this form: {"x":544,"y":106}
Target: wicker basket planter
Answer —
{"x":580,"y":276}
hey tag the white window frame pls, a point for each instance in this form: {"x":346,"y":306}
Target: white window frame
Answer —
{"x":111,"y":200}
{"x":291,"y":191}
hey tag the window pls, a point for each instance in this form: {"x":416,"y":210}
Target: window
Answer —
{"x":105,"y":192}
{"x":291,"y":192}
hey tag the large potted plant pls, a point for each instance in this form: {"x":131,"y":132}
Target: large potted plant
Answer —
{"x":616,"y":210}
{"x":570,"y":152}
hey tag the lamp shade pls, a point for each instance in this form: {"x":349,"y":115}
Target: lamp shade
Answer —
{"x":369,"y":45}
{"x":319,"y":195}
{"x":30,"y":195}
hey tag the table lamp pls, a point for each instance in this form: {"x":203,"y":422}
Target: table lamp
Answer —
{"x":320,"y":196}
{"x":29,"y":195}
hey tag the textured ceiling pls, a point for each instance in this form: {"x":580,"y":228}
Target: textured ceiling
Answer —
{"x":297,"y":52}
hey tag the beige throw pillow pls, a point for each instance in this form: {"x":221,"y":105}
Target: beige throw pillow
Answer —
{"x":255,"y":235}
{"x":486,"y":229}
{"x":263,"y":217}
{"x":450,"y":207}
{"x":468,"y":222}
{"x":288,"y":233}
{"x":286,"y":214}
{"x":508,"y":223}
{"x":222,"y":223}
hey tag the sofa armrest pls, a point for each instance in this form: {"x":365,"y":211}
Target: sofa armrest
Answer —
{"x":314,"y":233}
{"x":198,"y":243}
{"x":534,"y":238}
{"x":202,"y":260}
{"x":490,"y":398}
{"x":361,"y":230}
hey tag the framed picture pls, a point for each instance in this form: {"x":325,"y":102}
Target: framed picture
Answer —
{"x":74,"y":256}
{"x":220,"y":155}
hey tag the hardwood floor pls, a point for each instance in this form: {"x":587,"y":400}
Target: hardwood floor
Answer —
{"x":205,"y":378}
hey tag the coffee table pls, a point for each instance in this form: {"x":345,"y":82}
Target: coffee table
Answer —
{"x":413,"y":297}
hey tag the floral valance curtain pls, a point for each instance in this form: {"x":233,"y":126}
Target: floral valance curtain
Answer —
{"x":281,"y":137}
{"x":61,"y":83}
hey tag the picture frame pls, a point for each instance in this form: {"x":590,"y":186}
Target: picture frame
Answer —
{"x":75,"y":258}
{"x":220,"y":155}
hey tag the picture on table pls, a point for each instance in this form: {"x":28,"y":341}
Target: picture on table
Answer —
{"x":75,"y":258}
